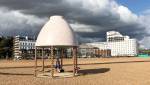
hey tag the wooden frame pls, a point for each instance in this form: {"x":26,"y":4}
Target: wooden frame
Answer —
{"x":74,"y":57}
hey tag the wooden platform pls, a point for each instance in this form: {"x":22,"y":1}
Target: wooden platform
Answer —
{"x":61,"y":75}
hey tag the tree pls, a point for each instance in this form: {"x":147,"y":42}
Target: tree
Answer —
{"x":6,"y":47}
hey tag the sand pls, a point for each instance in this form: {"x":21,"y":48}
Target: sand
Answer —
{"x":96,"y":71}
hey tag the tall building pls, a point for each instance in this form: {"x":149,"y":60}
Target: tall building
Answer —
{"x":23,"y":46}
{"x":113,"y":36}
{"x":119,"y":44}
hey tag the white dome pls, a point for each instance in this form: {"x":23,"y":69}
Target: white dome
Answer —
{"x":56,"y":32}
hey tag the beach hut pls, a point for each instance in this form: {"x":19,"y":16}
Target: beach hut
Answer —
{"x":56,"y":33}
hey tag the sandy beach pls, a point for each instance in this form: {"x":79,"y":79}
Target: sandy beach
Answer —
{"x":97,"y":71}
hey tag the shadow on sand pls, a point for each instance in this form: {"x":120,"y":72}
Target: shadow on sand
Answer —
{"x":93,"y":71}
{"x":17,"y":67}
{"x":48,"y":66}
{"x":15,"y":74}
{"x":83,"y":72}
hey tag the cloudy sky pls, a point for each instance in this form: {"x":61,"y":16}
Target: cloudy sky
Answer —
{"x":90,"y":19}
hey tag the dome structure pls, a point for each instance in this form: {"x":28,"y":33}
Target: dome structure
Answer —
{"x":56,"y":32}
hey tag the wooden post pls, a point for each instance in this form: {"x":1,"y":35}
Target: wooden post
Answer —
{"x":86,"y":51}
{"x":35,"y":67}
{"x":91,"y":53}
{"x":52,"y":61}
{"x":62,"y":55}
{"x":74,"y":60}
{"x":43,"y":59}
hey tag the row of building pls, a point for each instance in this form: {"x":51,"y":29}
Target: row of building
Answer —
{"x":116,"y":45}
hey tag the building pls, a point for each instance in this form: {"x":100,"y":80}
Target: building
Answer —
{"x":113,"y":36}
{"x":23,"y":47}
{"x":119,"y":44}
{"x":87,"y":51}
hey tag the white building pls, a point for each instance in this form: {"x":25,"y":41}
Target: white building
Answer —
{"x":23,"y":45}
{"x":113,"y":36}
{"x":118,"y":44}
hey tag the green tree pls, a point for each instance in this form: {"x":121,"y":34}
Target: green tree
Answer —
{"x":6,"y":47}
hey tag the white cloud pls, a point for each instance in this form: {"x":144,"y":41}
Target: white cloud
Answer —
{"x":110,"y":9}
{"x":144,"y":43}
{"x":86,"y":15}
{"x":145,"y":22}
{"x":146,"y":12}
{"x":100,"y":7}
{"x":81,"y":27}
{"x":113,"y":14}
{"x":15,"y":20}
{"x":126,"y":15}
{"x":85,"y":28}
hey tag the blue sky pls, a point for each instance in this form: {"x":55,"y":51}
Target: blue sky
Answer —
{"x":136,"y":6}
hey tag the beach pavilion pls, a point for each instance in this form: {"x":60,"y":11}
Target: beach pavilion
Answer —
{"x":56,"y":33}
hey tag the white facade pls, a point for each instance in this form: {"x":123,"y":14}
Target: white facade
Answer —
{"x":113,"y":36}
{"x":29,"y":44}
{"x":120,"y":46}
{"x":22,"y":43}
